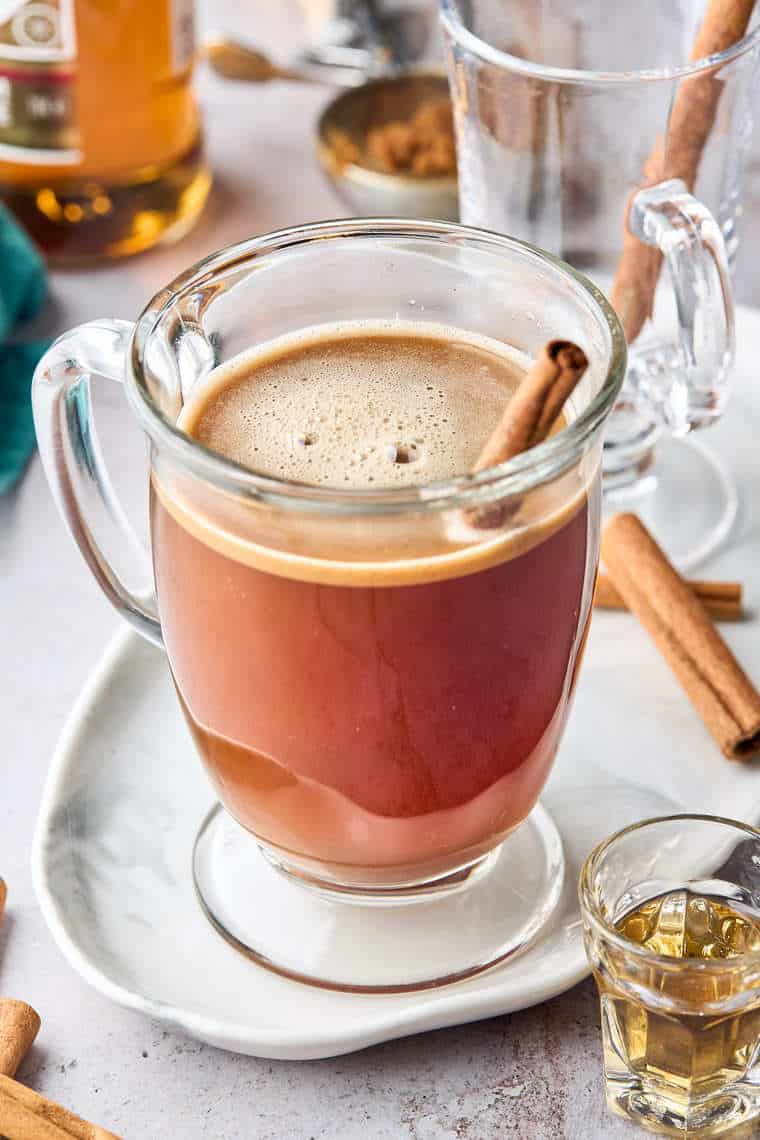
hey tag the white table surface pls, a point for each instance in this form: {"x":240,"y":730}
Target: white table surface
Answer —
{"x":535,"y":1075}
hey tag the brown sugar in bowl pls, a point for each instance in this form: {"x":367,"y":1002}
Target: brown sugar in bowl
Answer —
{"x":387,"y":147}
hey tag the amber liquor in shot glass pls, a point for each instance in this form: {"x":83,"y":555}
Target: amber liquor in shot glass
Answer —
{"x":671,"y":912}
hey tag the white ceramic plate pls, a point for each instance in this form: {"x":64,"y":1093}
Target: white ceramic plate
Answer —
{"x":126,"y":795}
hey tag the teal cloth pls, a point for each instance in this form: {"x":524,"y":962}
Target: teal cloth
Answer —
{"x":23,"y":289}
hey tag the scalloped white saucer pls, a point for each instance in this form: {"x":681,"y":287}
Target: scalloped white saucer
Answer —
{"x":126,"y":795}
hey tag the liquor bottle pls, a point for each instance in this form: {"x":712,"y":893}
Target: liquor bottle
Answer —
{"x":101,"y":152}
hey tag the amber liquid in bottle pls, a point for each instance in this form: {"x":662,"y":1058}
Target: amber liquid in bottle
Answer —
{"x":707,"y":1033}
{"x":100,"y":140}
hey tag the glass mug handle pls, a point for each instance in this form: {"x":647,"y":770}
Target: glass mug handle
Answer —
{"x":76,"y":472}
{"x":693,"y":393}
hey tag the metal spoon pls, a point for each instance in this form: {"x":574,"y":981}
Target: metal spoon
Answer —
{"x":348,"y":67}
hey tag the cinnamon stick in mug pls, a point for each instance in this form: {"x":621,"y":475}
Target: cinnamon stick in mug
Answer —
{"x":529,"y":417}
{"x":536,"y":405}
{"x":678,"y":623}
{"x":722,"y":600}
{"x":691,"y":119}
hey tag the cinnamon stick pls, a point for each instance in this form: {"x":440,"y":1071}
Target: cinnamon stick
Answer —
{"x":722,"y":600}
{"x":19,"y":1025}
{"x":535,"y":406}
{"x":529,"y":417}
{"x":26,"y":1115}
{"x":680,"y":626}
{"x":3,"y":897}
{"x":691,"y":119}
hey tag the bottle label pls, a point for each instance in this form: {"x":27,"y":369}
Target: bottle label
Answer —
{"x":38,"y":114}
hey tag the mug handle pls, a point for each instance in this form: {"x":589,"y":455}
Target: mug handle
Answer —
{"x":73,"y":463}
{"x":693,"y":394}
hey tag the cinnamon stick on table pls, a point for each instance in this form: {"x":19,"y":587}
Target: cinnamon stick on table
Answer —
{"x":722,"y":600}
{"x":26,"y":1115}
{"x":691,"y":119}
{"x":19,"y":1025}
{"x":713,"y":679}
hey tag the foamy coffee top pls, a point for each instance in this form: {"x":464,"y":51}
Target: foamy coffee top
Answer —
{"x":359,"y":406}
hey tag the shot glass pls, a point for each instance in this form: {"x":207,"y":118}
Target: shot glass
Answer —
{"x":671,"y":916}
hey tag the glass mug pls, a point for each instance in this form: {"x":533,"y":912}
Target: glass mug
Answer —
{"x":376,"y":690}
{"x":557,"y":109}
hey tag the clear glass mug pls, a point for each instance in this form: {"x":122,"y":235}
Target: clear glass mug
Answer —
{"x":557,"y":108}
{"x":352,"y":663}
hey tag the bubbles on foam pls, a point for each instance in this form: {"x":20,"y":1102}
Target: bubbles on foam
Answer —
{"x":405,"y":452}
{"x":363,"y":405}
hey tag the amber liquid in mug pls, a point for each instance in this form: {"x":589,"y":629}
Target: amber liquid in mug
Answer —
{"x":390,"y":716}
